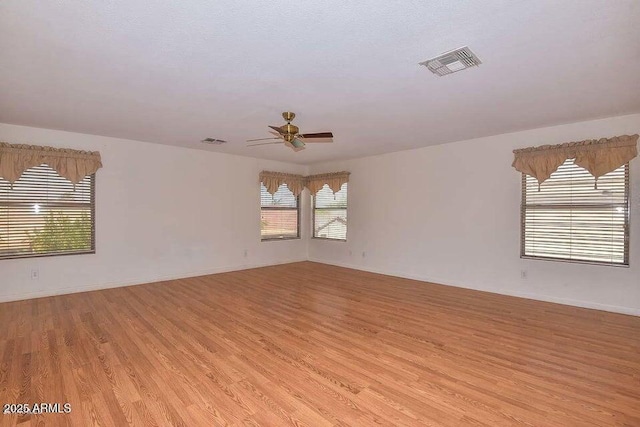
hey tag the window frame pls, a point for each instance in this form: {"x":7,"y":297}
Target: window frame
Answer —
{"x":627,"y":231}
{"x":280,"y":208}
{"x":313,"y":219}
{"x":92,"y":250}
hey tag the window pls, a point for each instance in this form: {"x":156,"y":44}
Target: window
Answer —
{"x":43,"y":214}
{"x":279,"y":214}
{"x":571,"y":220}
{"x":330,"y":214}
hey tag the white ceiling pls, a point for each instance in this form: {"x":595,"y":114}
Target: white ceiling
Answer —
{"x":175,"y":72}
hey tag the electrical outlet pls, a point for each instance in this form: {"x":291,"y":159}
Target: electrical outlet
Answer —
{"x":350,"y":252}
{"x":35,"y":274}
{"x":523,"y":274}
{"x":246,"y":253}
{"x":364,"y":254}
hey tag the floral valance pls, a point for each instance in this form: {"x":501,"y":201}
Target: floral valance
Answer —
{"x":273,"y":180}
{"x":73,"y":165}
{"x":333,"y":180}
{"x":598,"y":156}
{"x":295,"y":183}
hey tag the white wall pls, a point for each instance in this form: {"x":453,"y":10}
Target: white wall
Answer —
{"x":161,"y":212}
{"x":166,"y":212}
{"x":450,"y":214}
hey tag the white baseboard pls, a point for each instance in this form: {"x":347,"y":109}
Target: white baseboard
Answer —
{"x":546,"y":298}
{"x":136,"y":281}
{"x":143,"y":280}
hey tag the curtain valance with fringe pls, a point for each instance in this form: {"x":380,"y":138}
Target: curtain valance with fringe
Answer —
{"x":295,"y":183}
{"x":73,"y":165}
{"x":598,"y":156}
{"x":273,"y":180}
{"x":333,"y":180}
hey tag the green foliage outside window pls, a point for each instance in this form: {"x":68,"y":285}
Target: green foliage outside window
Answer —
{"x":62,"y":233}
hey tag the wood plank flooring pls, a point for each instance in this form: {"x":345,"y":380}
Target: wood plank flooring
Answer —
{"x":307,"y":344}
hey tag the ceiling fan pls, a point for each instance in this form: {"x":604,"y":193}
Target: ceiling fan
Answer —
{"x":289,"y":134}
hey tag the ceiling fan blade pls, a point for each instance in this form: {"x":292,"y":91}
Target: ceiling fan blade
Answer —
{"x":317,"y":140}
{"x":297,"y":143}
{"x":264,"y":143}
{"x":259,"y":139}
{"x":277,"y":129}
{"x":317,"y":135}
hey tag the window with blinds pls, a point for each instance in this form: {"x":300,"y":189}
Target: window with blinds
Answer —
{"x":44,"y":214}
{"x":570,"y":219}
{"x":330,"y":214}
{"x":279,"y":214}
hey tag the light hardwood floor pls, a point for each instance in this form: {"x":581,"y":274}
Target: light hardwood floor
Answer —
{"x":316,"y":345}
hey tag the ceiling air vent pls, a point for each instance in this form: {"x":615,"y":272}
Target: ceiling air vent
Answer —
{"x":213,"y":141}
{"x":452,"y":61}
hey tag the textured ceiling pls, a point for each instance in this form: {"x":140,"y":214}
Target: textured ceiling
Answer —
{"x":175,"y":72}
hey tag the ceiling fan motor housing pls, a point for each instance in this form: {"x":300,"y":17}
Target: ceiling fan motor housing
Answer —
{"x":290,"y":129}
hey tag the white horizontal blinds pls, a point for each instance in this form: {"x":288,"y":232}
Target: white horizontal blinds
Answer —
{"x":279,"y":214}
{"x":330,"y":213}
{"x":44,"y":214}
{"x":568,"y":218}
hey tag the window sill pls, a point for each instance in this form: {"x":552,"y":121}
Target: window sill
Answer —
{"x":328,"y":239}
{"x":573,"y":261}
{"x":278,"y":239}
{"x":92,"y":252}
